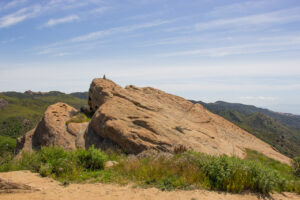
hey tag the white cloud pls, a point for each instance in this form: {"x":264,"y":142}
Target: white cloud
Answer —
{"x":277,"y":17}
{"x":242,"y":7}
{"x":38,"y":8}
{"x":116,"y":30}
{"x":267,"y":45}
{"x":62,"y":54}
{"x":98,"y":10}
{"x":12,"y":4}
{"x":19,"y":16}
{"x":67,"y":19}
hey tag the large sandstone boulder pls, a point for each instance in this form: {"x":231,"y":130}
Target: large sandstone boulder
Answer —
{"x":139,"y":119}
{"x":53,"y":131}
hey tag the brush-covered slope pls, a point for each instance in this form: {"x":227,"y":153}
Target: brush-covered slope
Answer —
{"x":277,"y":129}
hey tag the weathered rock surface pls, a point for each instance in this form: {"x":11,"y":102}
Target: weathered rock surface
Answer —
{"x":53,"y":131}
{"x":3,"y":103}
{"x":143,"y":120}
{"x":139,"y":119}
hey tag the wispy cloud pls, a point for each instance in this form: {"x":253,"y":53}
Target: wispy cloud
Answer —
{"x":67,"y":19}
{"x":19,"y":16}
{"x":11,"y":40}
{"x":242,"y":7}
{"x":99,"y":10}
{"x":12,"y":4}
{"x":38,"y":8}
{"x":116,"y":30}
{"x":277,"y":17}
{"x":62,"y":54}
{"x":260,"y":46}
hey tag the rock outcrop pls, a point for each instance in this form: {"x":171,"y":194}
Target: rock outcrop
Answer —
{"x":139,"y":119}
{"x":53,"y":131}
{"x":143,"y":119}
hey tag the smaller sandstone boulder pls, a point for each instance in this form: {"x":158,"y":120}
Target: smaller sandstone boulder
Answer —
{"x":53,"y":130}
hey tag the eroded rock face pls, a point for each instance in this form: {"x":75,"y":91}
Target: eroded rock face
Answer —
{"x":143,"y":120}
{"x":139,"y":119}
{"x":53,"y":131}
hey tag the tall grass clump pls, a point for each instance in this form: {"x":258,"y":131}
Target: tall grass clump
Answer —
{"x":165,"y":172}
{"x":92,"y":158}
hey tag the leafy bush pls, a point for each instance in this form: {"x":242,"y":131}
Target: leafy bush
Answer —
{"x":296,"y":166}
{"x":91,"y":159}
{"x":236,"y":175}
{"x":56,"y":160}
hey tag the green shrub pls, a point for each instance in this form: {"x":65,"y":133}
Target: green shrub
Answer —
{"x":296,"y":166}
{"x":236,"y":175}
{"x":91,"y":159}
{"x":57,"y":160}
{"x":7,"y":147}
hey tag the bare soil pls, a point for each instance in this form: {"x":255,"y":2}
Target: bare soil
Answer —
{"x":32,"y":186}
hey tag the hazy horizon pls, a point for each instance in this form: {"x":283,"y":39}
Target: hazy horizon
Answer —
{"x":230,"y":50}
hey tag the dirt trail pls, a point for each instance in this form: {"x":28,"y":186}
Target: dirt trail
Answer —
{"x":48,"y":189}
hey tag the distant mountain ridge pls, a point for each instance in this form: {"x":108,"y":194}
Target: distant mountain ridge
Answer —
{"x":286,"y":119}
{"x":281,"y":130}
{"x":80,"y":95}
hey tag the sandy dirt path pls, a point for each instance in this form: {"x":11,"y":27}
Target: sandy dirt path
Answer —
{"x":49,"y":189}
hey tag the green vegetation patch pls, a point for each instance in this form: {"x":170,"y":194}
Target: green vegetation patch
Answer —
{"x":79,"y":118}
{"x":188,"y":170}
{"x":7,"y":148}
{"x":7,"y":144}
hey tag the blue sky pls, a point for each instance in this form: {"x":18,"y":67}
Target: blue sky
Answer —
{"x":236,"y":51}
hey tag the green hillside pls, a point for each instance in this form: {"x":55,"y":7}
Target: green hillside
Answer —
{"x":80,"y":95}
{"x":264,"y":124}
{"x":290,"y":120}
